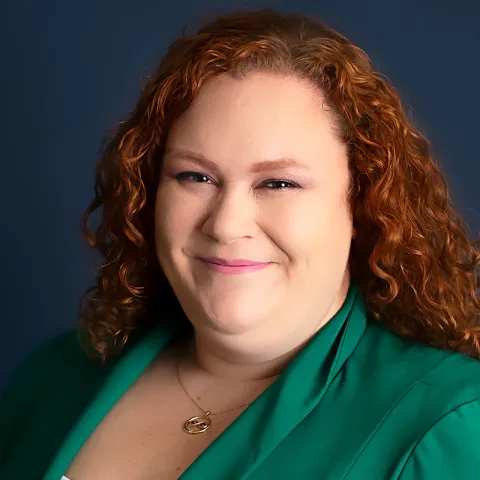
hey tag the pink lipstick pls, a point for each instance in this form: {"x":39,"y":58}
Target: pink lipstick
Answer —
{"x":236,"y":266}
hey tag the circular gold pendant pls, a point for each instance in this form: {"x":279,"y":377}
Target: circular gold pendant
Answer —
{"x":198,"y":424}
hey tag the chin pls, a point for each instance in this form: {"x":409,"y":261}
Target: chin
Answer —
{"x":230,"y":318}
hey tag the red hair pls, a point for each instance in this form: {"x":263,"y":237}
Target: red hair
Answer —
{"x":411,"y":257}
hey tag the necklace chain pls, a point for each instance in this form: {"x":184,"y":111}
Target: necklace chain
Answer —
{"x":206,"y":412}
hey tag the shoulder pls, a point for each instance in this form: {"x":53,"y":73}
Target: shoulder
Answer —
{"x":449,"y":448}
{"x":33,"y":394}
{"x":434,"y":394}
{"x":449,"y":374}
{"x":62,"y":355}
{"x":51,"y":357}
{"x":58,"y":364}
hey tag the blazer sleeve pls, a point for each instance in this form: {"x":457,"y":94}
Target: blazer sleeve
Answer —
{"x":450,"y":449}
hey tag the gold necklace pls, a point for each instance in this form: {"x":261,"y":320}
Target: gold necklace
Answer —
{"x":201,"y":423}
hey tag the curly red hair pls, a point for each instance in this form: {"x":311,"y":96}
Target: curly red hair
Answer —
{"x":411,"y":257}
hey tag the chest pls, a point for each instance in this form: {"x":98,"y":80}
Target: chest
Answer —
{"x":142,"y":436}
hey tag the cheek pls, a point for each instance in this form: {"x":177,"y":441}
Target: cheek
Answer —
{"x":177,"y":216}
{"x":313,"y":229}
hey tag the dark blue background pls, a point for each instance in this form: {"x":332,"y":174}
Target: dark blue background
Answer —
{"x":71,"y":69}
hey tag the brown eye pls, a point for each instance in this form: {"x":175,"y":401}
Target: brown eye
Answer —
{"x":194,"y":177}
{"x":279,"y":184}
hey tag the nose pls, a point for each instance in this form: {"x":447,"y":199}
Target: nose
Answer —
{"x":231,"y":217}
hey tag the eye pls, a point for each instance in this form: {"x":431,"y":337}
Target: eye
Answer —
{"x":278,"y":184}
{"x":194,"y":177}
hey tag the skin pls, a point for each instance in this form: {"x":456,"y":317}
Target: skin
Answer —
{"x":250,"y":326}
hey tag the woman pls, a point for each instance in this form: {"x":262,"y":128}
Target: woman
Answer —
{"x":286,"y":293}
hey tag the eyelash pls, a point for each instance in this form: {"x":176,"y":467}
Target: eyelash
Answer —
{"x":183,"y":177}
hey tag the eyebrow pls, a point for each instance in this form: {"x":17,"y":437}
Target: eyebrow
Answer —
{"x":279,"y":163}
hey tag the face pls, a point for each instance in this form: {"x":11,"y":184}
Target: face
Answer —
{"x":253,"y":171}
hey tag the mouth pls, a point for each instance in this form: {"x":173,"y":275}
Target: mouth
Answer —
{"x":233,"y":266}
{"x":235,"y":262}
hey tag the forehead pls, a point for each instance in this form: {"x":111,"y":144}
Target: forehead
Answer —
{"x":260,"y":116}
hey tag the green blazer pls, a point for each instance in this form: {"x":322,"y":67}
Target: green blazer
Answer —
{"x":356,"y":403}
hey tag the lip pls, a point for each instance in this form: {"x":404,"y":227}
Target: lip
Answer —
{"x":235,"y":266}
{"x":234,"y":262}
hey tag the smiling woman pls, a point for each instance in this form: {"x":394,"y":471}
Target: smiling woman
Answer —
{"x":287,"y":291}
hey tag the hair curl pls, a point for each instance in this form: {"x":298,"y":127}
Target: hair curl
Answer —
{"x":411,"y":256}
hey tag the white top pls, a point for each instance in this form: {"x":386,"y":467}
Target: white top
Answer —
{"x":64,"y":478}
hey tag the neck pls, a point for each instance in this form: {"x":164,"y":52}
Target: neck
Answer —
{"x":217,"y":365}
